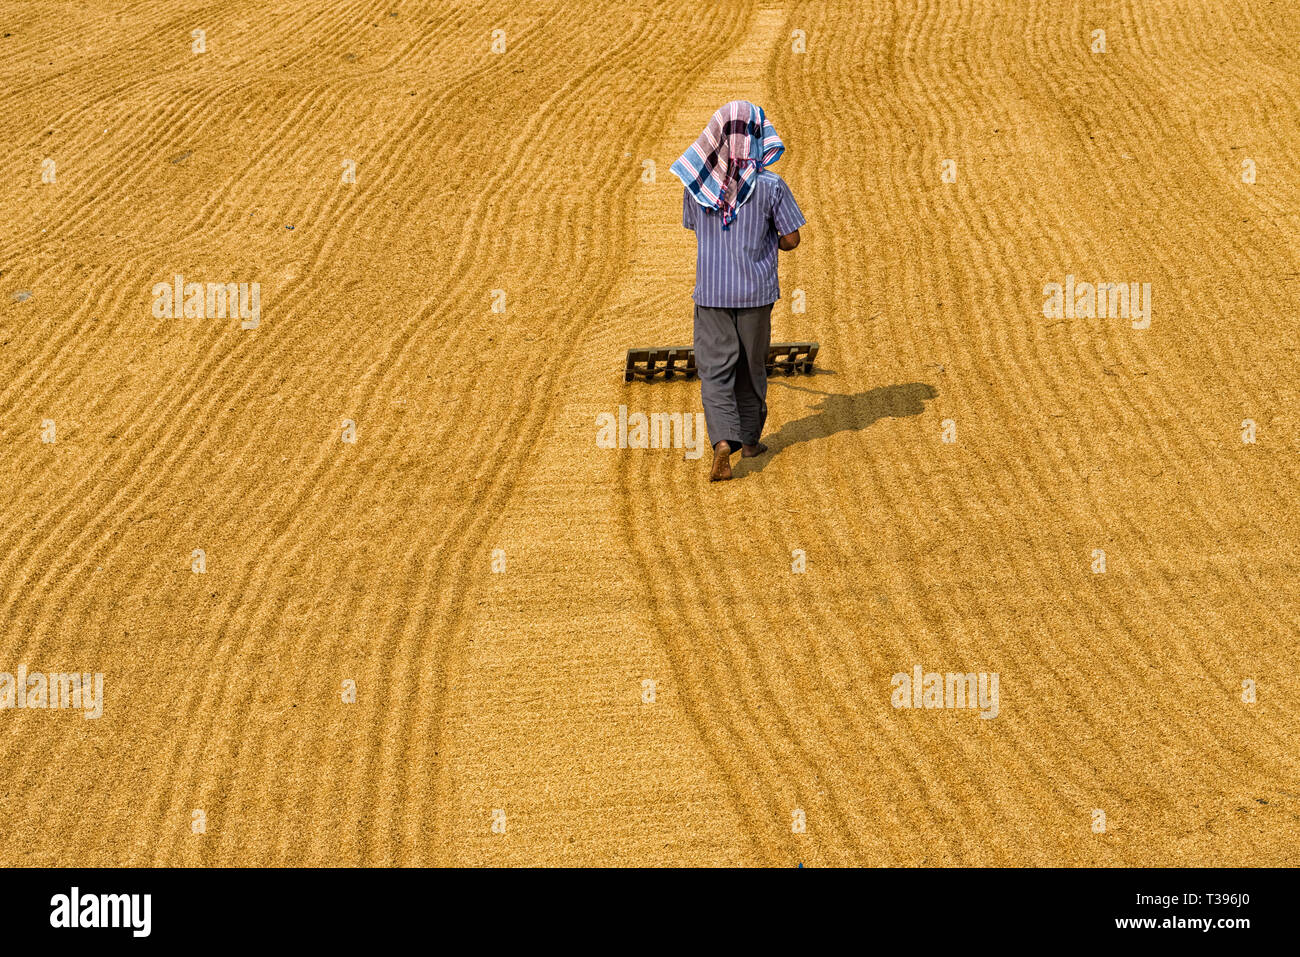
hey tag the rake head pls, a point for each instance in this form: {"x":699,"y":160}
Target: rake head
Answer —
{"x":648,"y":362}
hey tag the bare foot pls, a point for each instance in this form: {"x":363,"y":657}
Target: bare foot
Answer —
{"x":749,"y":451}
{"x":721,"y":463}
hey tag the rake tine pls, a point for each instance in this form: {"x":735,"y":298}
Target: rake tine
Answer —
{"x":670,"y":367}
{"x":812,"y":354}
{"x":790,"y":367}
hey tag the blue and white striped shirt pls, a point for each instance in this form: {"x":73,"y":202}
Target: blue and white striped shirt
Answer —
{"x":736,"y":268}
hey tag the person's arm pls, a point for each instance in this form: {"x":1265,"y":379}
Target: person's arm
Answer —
{"x":787,"y":219}
{"x":688,"y":209}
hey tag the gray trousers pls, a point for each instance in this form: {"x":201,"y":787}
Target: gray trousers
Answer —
{"x":731,"y":356}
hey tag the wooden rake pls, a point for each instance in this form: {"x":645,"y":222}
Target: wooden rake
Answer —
{"x":784,"y":357}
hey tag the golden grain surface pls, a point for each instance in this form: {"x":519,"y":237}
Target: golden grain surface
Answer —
{"x":522,"y":691}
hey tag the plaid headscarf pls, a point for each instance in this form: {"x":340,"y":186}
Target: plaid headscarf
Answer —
{"x":720,"y":167}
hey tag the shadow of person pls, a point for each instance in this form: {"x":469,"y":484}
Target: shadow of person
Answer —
{"x":844,"y":413}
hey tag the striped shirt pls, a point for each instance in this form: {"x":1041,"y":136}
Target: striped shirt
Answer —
{"x":736,"y":268}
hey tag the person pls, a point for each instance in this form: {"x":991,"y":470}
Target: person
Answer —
{"x":741,"y":214}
